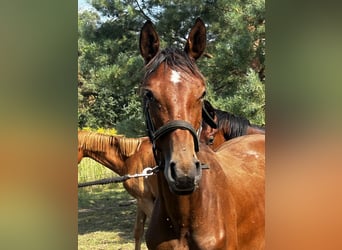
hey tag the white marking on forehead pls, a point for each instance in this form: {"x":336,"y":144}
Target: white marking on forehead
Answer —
{"x":175,"y":77}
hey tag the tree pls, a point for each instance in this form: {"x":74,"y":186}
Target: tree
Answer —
{"x":111,"y":65}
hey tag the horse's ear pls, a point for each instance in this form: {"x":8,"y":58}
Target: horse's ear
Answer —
{"x":196,"y":42}
{"x":149,"y":41}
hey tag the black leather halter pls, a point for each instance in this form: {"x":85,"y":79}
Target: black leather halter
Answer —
{"x":208,"y":118}
{"x":154,"y":135}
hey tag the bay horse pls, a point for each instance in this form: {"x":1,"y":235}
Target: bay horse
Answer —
{"x":221,"y":207}
{"x":124,"y":156}
{"x":229,"y":126}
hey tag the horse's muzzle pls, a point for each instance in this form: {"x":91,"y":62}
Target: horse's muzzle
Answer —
{"x":181,"y":180}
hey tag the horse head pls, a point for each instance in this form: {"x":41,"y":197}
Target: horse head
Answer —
{"x":173,"y":90}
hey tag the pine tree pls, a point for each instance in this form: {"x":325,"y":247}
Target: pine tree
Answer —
{"x":111,"y":66}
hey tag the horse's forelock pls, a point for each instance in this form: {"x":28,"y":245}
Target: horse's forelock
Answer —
{"x":175,"y":59}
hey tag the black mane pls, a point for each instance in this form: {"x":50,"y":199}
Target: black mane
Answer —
{"x":231,"y":125}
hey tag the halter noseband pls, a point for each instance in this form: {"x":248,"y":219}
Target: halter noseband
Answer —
{"x":154,"y":135}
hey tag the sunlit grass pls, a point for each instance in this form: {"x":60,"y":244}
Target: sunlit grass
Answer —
{"x":106,"y":213}
{"x":89,"y":170}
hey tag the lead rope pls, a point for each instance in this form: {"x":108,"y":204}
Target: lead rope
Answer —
{"x":145,"y":173}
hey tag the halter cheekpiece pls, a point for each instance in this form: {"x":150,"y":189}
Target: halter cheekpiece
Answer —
{"x":154,"y":134}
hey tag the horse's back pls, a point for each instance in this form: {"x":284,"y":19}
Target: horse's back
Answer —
{"x":240,"y":144}
{"x":243,"y":161}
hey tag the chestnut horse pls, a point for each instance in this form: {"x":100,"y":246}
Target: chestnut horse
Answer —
{"x":124,"y":156}
{"x":217,"y":208}
{"x":229,"y":126}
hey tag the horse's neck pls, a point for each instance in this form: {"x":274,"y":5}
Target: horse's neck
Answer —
{"x":218,"y":140}
{"x":254,"y":130}
{"x":110,"y":159}
{"x":177,"y":208}
{"x":234,"y":130}
{"x":181,"y":210}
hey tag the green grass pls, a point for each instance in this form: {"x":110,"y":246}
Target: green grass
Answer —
{"x":90,"y":170}
{"x":106,"y":213}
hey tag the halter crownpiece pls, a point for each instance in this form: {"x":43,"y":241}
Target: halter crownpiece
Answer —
{"x":208,"y":118}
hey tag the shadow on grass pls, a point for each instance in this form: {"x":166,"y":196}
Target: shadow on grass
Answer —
{"x":106,"y":208}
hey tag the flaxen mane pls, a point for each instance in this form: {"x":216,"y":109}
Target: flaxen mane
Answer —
{"x":93,"y":141}
{"x":129,"y":146}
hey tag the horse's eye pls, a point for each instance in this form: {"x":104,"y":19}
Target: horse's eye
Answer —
{"x":149,"y":95}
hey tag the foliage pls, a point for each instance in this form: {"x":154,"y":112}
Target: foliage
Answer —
{"x":110,"y":66}
{"x":106,"y":131}
{"x":248,"y":101}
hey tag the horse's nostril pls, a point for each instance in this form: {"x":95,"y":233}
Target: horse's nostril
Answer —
{"x":173,"y":169}
{"x":198,"y":165}
{"x":211,"y":140}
